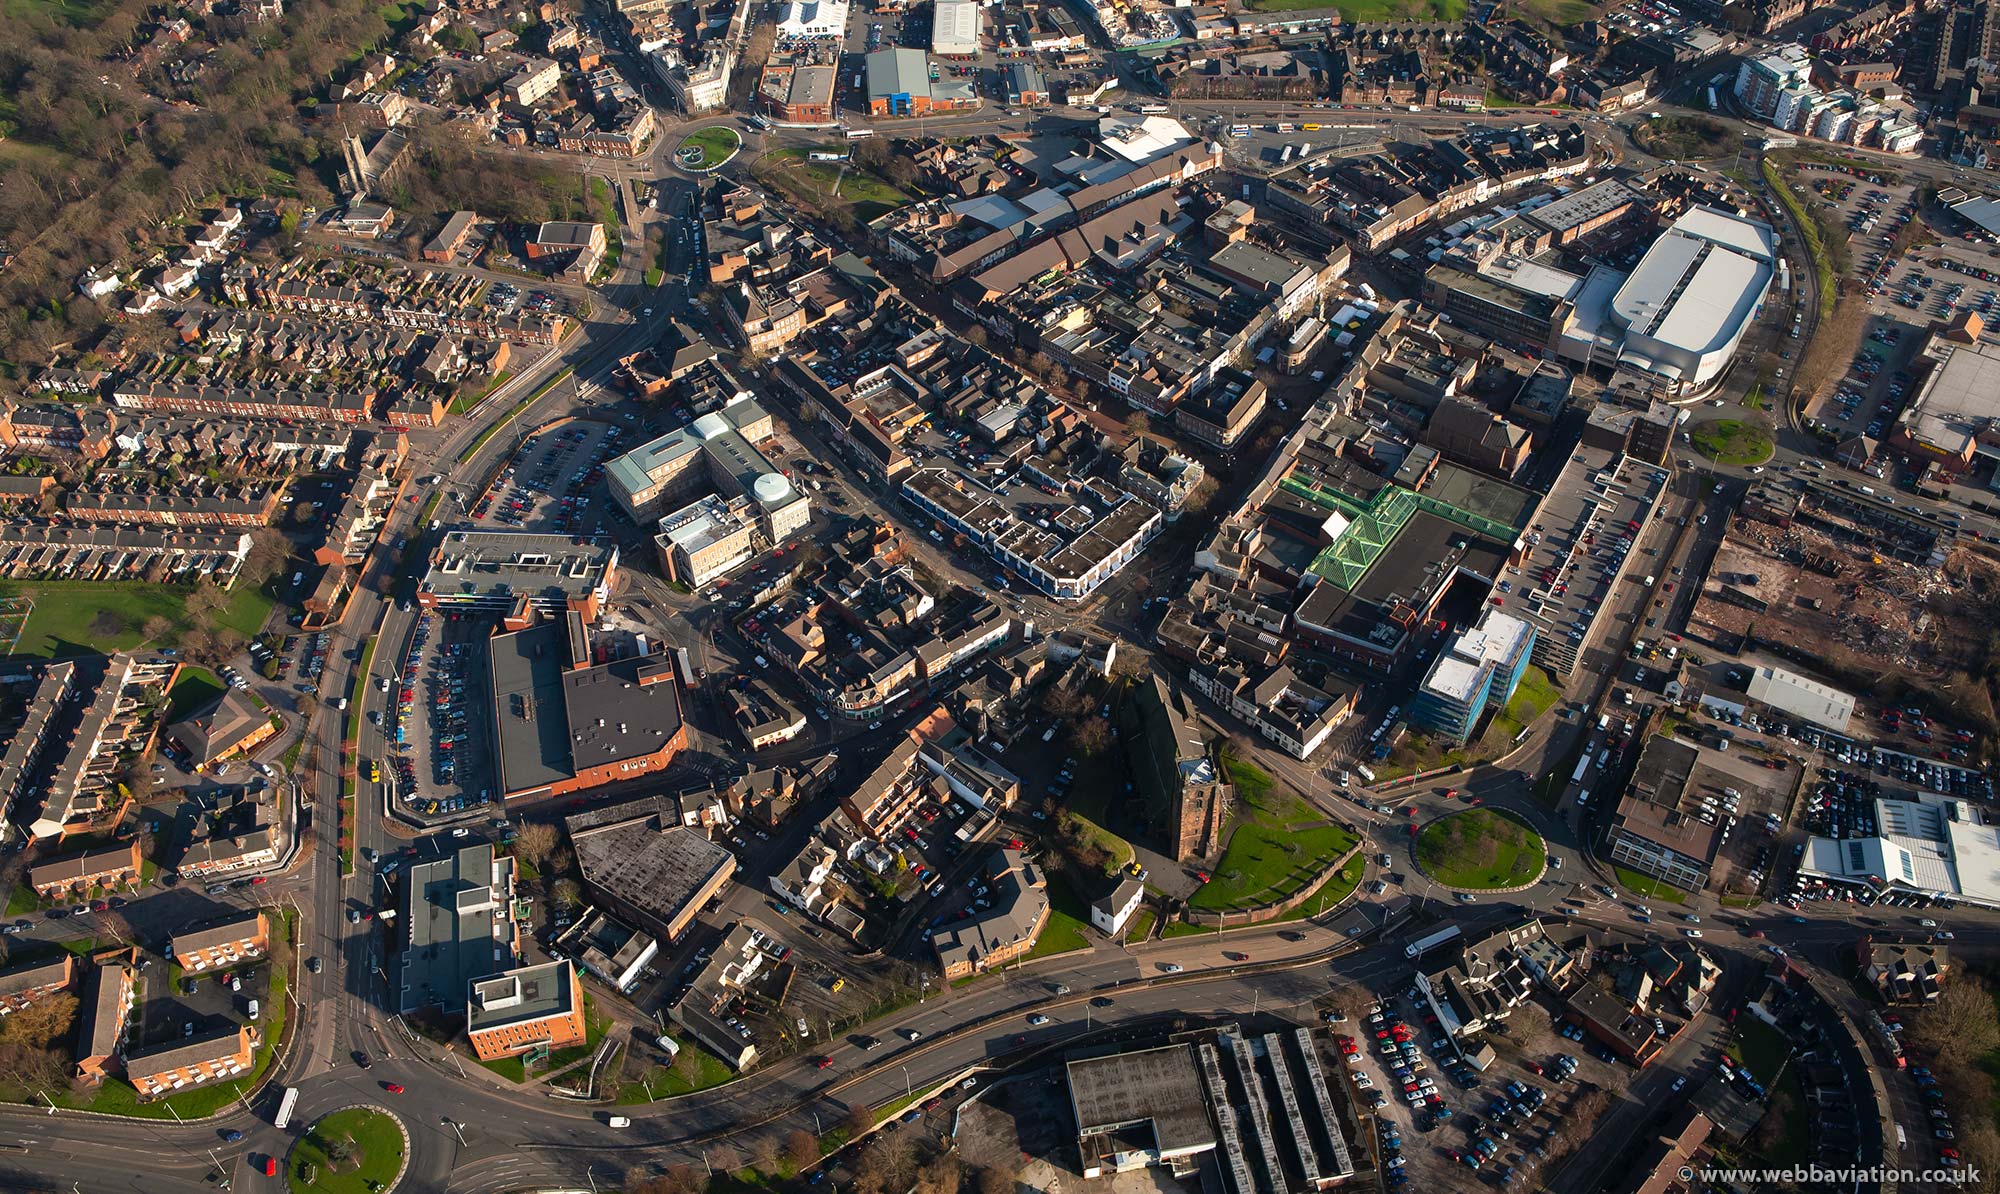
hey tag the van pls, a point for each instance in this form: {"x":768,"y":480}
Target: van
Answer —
{"x":1604,"y":721}
{"x":1365,"y":772}
{"x":254,"y":1009}
{"x":618,"y":1121}
{"x":762,"y":662}
{"x":1048,"y":733}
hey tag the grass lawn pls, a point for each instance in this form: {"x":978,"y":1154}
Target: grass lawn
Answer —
{"x":1808,"y":227}
{"x":1181,"y":928}
{"x":661,"y":1082}
{"x":1480,"y":848}
{"x":509,"y":1068}
{"x":74,"y":618}
{"x":1273,"y":852}
{"x":1652,"y":889}
{"x":462,"y":404}
{"x":717,"y":144}
{"x":375,"y":1154}
{"x":1067,"y":918}
{"x":23,"y":900}
{"x":1533,"y":696}
{"x":1330,"y":893}
{"x":196,"y":687}
{"x":1760,"y":1047}
{"x":1141,"y":926}
{"x":1731,"y":441}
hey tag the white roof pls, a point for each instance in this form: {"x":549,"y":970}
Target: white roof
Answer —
{"x":1455,"y":678}
{"x":1752,"y":238}
{"x":1931,"y":845}
{"x":955,"y":27}
{"x":1141,"y":138}
{"x":1705,"y":315}
{"x":1821,"y":704}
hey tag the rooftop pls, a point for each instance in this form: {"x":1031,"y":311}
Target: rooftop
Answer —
{"x":649,"y":862}
{"x":458,"y":922}
{"x":520,"y":995}
{"x":1160,"y":1088}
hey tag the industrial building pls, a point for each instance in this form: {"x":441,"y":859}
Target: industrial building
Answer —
{"x":1952,"y":417}
{"x":1932,"y":845}
{"x":638,"y":859}
{"x":1793,"y":694}
{"x":955,"y":28}
{"x":1260,"y":1110}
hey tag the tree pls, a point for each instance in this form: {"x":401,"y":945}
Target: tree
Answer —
{"x":994,"y":1179}
{"x":678,"y":1179}
{"x":40,"y":1024}
{"x":762,"y":1152}
{"x":1137,"y":424}
{"x":533,"y":842}
{"x":801,"y":1149}
{"x":269,"y":549}
{"x":1091,"y":735}
{"x":156,"y":628}
{"x":941,"y":1174}
{"x":567,"y":893}
{"x":687,"y":1065}
{"x":858,"y":1122}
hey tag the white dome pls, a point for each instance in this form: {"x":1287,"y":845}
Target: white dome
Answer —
{"x":771,"y":488}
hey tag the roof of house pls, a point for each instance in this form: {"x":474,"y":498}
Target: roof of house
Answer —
{"x":228,"y":931}
{"x":203,"y":1047}
{"x":220,"y":725}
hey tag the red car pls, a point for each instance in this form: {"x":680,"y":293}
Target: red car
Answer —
{"x":394,"y":1088}
{"x":823,"y":1062}
{"x":1201,"y":876}
{"x":270,"y":1166}
{"x":260,"y":879}
{"x":1451,"y":793}
{"x":1014,"y":843}
{"x":1535,"y":1068}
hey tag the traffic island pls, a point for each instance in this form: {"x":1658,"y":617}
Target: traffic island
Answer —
{"x":1481,"y":849}
{"x":356,"y":1150}
{"x":1731,"y":441}
{"x":708,"y":149}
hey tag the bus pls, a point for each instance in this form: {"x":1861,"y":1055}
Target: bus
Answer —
{"x":285,"y":1105}
{"x":854,"y":134}
{"x":1153,"y":109}
{"x":1239,"y":130}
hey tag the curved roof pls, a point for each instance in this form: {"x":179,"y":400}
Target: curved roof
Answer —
{"x":771,"y":487}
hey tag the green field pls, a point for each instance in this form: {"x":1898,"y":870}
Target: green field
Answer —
{"x":1648,"y":887}
{"x":814,"y":183}
{"x":1481,"y":849}
{"x":1141,"y":926}
{"x":1275,"y":851}
{"x":1337,"y":888}
{"x":1731,"y":441}
{"x":196,"y":687}
{"x":75,"y":618}
{"x":1067,"y":918}
{"x":371,"y":1145}
{"x":717,"y":143}
{"x":1532,"y":697}
{"x":662,"y":1082}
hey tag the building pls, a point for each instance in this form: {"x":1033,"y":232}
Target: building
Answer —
{"x":572,"y":249}
{"x":511,"y":574}
{"x":638,"y":859}
{"x":458,"y":913}
{"x":1903,"y":972}
{"x":1932,"y":845}
{"x":107,"y":1009}
{"x":116,"y":722}
{"x":22,"y":759}
{"x":744,"y":962}
{"x":1791,"y":693}
{"x":1140,"y":1108}
{"x":1250,"y":1107}
{"x":23,"y":985}
{"x":798,"y":94}
{"x":1483,"y":986}
{"x":444,"y":247}
{"x":1024,"y":85}
{"x":1763,"y":79}
{"x":1178,"y":772}
{"x":1224,"y":412}
{"x":1956,"y":410}
{"x":215,"y":853}
{"x":215,"y":1056}
{"x":527,"y":1008}
{"x":1000,"y":934}
{"x":231,"y":724}
{"x":899,"y":82}
{"x":238,"y":938}
{"x":717,"y":451}
{"x":1678,"y":318}
{"x":955,"y":28}
{"x":1284,"y":710}
{"x":562,"y":724}
{"x":808,"y":20}
{"x":1113,"y":910}
{"x":1657,"y":830}
{"x":1664,"y":1161}
{"x":77,"y":874}
{"x":537,"y":78}
{"x":1479,"y":670}
{"x":614,"y":952}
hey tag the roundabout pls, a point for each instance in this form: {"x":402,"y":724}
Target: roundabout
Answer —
{"x":356,"y":1150}
{"x":1480,"y":849}
{"x":708,"y":149}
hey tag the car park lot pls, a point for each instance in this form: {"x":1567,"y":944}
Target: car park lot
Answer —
{"x":190,"y":1005}
{"x":434,"y":716}
{"x":555,"y":483}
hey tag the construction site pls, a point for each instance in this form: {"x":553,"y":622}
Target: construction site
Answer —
{"x":1844,"y":579}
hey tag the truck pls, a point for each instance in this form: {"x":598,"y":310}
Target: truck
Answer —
{"x":1582,"y":765}
{"x":1424,"y":945}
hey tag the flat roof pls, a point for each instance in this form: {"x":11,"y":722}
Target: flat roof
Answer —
{"x":645,"y":859}
{"x":1580,"y":207}
{"x":530,"y":723}
{"x":522,"y":994}
{"x":898,"y":71}
{"x":1159,"y":1087}
{"x":475,"y":563}
{"x":1958,"y":398}
{"x":1821,"y":704}
{"x":457,"y":923}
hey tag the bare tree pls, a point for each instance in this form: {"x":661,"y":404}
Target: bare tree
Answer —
{"x":801,"y":1149}
{"x":994,"y":1179}
{"x":858,"y":1122}
{"x":678,"y":1179}
{"x":533,"y":841}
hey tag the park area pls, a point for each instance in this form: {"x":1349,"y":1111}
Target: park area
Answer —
{"x":1731,"y":441}
{"x":1279,"y":846}
{"x":1481,"y":849}
{"x":73,"y":618}
{"x":705,"y":149}
{"x":830,"y":188}
{"x":356,"y":1151}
